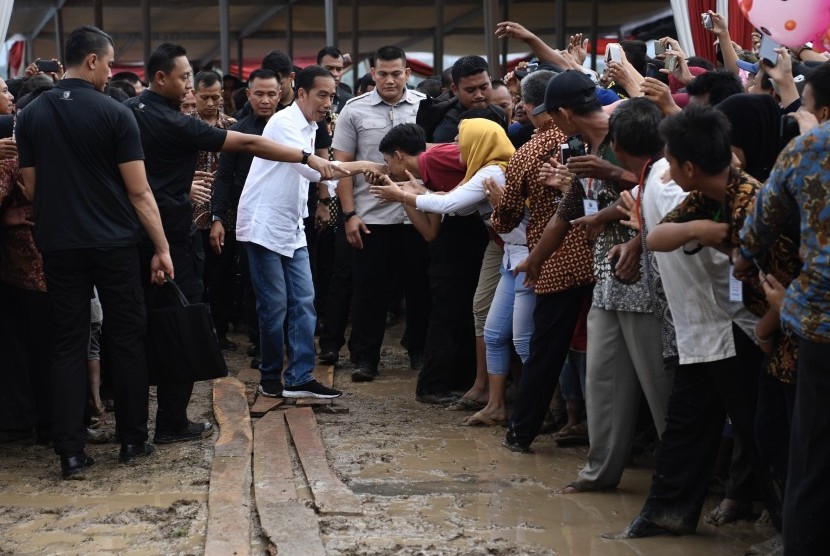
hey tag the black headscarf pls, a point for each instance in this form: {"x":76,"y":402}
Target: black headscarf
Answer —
{"x":756,"y":129}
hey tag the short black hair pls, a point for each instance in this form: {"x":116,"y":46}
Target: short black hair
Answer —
{"x":206,"y":78}
{"x":534,"y":85}
{"x":262,"y":74}
{"x":162,"y":59}
{"x":819,"y":81}
{"x":278,"y":62}
{"x":700,"y":135}
{"x":408,"y":138}
{"x":127,"y":76}
{"x":116,"y":93}
{"x":36,"y":81}
{"x":124,"y":86}
{"x":389,"y":54}
{"x":720,"y":84}
{"x":430,"y":87}
{"x":82,"y":42}
{"x":633,"y":127}
{"x":235,"y":82}
{"x":240,"y":97}
{"x":305,"y":79}
{"x":700,"y":62}
{"x":636,"y":54}
{"x":328,"y":51}
{"x":467,"y":66}
{"x":446,"y":78}
{"x":364,"y":82}
{"x":586,"y":108}
{"x":493,"y":113}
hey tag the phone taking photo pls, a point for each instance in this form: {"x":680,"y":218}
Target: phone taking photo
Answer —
{"x":613,"y":53}
{"x":658,"y":48}
{"x":48,"y":66}
{"x":652,"y":70}
{"x":707,"y":21}
{"x":576,"y":146}
{"x":767,"y":52}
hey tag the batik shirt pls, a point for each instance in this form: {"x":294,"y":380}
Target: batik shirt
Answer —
{"x":209,"y":162}
{"x":21,"y":264}
{"x":609,"y":293}
{"x":797,"y":191}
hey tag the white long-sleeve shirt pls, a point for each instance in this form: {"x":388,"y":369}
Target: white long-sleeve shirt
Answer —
{"x":275,"y":198}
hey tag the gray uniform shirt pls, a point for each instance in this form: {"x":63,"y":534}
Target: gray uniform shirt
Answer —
{"x":363,"y":122}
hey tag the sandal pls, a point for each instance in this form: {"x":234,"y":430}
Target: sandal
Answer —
{"x":576,"y":435}
{"x":478,"y":420}
{"x":466,"y":404}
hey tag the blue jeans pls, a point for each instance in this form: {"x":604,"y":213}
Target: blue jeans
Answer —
{"x":284,"y":290}
{"x":510,"y":316}
{"x":572,"y":379}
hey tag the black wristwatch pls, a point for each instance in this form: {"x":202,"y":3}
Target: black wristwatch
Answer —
{"x":346,"y":215}
{"x":306,"y":154}
{"x":324,"y":200}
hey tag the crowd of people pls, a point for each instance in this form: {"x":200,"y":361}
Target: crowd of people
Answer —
{"x":621,"y":258}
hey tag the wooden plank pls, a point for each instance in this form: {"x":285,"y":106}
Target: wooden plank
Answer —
{"x":313,"y":401}
{"x":287,"y":522}
{"x":229,"y":495}
{"x":331,"y":496}
{"x":231,"y":410}
{"x":264,"y":404}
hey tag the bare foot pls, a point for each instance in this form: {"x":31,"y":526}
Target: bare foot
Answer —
{"x":570,"y":489}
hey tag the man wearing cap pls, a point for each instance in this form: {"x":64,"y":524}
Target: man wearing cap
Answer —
{"x":624,"y":339}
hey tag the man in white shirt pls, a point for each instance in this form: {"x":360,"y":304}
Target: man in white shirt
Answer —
{"x":270,"y":221}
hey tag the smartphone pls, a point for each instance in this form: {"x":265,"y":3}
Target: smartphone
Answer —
{"x":707,"y":21}
{"x":48,"y":66}
{"x":532,"y":67}
{"x":767,"y":52}
{"x":652,"y":70}
{"x":613,"y":53}
{"x":564,"y":153}
{"x":789,"y":127}
{"x":658,"y":48}
{"x":576,"y":146}
{"x":671,"y":62}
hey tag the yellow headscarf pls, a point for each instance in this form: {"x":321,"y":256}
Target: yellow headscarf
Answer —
{"x":483,"y":143}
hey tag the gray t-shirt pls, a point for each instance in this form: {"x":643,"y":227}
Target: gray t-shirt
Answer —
{"x":362,"y":123}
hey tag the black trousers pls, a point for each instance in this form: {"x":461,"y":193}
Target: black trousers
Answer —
{"x":324,"y":264}
{"x":249,"y":298}
{"x":339,"y":295}
{"x":806,"y":507}
{"x":702,"y":395}
{"x":188,"y":266}
{"x":70,"y":276}
{"x":385,"y":250}
{"x":454,"y":265}
{"x":26,"y":342}
{"x":554,"y":319}
{"x":220,"y":271}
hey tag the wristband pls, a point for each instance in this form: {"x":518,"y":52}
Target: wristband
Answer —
{"x":346,"y":215}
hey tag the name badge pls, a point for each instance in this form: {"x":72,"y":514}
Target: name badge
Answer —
{"x":591,"y":206}
{"x":736,"y":292}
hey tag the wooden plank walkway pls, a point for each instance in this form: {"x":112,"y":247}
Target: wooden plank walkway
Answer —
{"x":331,"y":496}
{"x":229,"y":496}
{"x":287,"y":522}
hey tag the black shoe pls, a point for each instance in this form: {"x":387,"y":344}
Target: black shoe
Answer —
{"x":514,"y":445}
{"x":444,"y":399}
{"x":256,"y":362}
{"x":227,"y":345}
{"x":270,"y":388}
{"x":193,"y":431}
{"x":365,"y":373}
{"x":416,"y":360}
{"x":253,"y":350}
{"x":73,"y":467}
{"x":329,"y":357}
{"x":129,"y":453}
{"x":311,"y":389}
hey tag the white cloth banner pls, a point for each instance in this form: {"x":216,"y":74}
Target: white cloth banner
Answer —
{"x":5,"y":17}
{"x":683,"y":25}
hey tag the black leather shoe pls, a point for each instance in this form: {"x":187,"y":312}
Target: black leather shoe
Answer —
{"x":364,"y":373}
{"x":444,"y":399}
{"x":131,"y":452}
{"x":193,"y":431}
{"x":73,"y":467}
{"x":329,"y":357}
{"x":514,"y":445}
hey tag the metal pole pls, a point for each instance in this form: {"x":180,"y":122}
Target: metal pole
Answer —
{"x":145,"y":34}
{"x":239,"y":56}
{"x":355,"y":44}
{"x":438,"y":40}
{"x":289,"y":31}
{"x":505,"y":16}
{"x":491,"y":14}
{"x":561,"y":39}
{"x":98,"y":7}
{"x":331,"y":23}
{"x":59,"y":33}
{"x":594,"y":33}
{"x":224,"y":34}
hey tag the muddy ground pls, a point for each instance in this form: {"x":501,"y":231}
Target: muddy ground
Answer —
{"x":428,"y":486}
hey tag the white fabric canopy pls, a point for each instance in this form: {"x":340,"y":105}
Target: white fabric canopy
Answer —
{"x":5,"y":17}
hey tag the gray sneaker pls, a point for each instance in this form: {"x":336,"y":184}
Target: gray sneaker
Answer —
{"x":311,"y":389}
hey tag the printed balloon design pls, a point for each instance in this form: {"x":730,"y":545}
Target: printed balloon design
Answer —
{"x":789,"y":22}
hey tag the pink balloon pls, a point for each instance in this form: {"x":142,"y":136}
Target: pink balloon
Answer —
{"x":789,"y":22}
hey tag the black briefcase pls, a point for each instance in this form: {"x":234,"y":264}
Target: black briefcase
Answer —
{"x":182,"y":346}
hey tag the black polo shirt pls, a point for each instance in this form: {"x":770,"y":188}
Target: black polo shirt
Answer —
{"x":75,"y":137}
{"x":172,"y":142}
